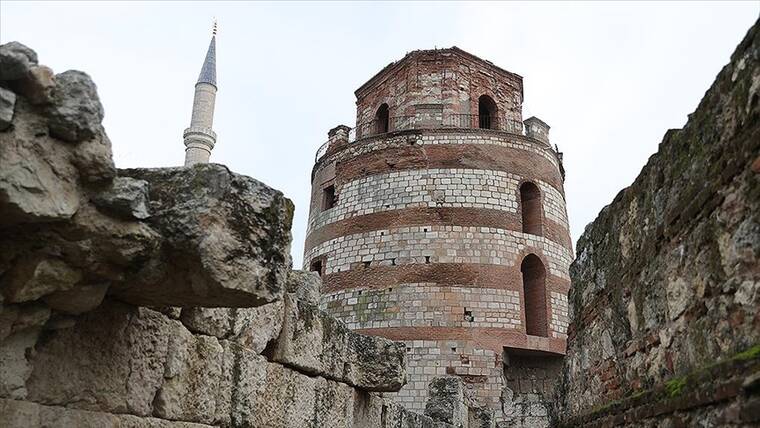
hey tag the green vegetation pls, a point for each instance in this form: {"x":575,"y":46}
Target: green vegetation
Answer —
{"x":674,"y":387}
{"x":748,"y":354}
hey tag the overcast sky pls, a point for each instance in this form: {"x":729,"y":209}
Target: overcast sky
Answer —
{"x":609,"y":78}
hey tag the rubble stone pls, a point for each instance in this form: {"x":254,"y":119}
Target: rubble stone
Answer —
{"x":76,"y":112}
{"x":15,"y":60}
{"x":7,"y":106}
{"x":127,"y":197}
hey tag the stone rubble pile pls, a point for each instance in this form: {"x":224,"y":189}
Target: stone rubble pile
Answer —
{"x":159,"y":297}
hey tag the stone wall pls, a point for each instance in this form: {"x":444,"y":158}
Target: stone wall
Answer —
{"x":665,"y":324}
{"x":160,"y":297}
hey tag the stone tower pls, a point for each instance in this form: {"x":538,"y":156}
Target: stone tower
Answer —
{"x":199,"y":137}
{"x":440,"y":221}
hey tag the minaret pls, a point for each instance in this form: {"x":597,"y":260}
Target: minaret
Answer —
{"x":199,"y":137}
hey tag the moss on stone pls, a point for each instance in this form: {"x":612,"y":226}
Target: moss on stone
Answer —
{"x":748,"y":354}
{"x":674,"y":387}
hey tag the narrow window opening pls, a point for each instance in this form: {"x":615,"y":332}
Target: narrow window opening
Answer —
{"x":366,"y":264}
{"x":530,"y":204}
{"x":468,"y":315}
{"x":328,"y":197}
{"x":486,"y":112}
{"x":381,"y":119}
{"x":393,"y":262}
{"x":534,"y":292}
{"x":316,"y":266}
{"x":427,"y":260}
{"x":453,"y":349}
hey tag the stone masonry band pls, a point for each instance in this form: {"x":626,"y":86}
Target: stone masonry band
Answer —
{"x":444,"y":187}
{"x":434,"y":138}
{"x":438,"y":244}
{"x":432,"y":305}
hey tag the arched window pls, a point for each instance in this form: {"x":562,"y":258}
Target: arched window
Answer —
{"x":534,"y":292}
{"x":530,"y":204}
{"x":381,"y":119}
{"x":486,"y":112}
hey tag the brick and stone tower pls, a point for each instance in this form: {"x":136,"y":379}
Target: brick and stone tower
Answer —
{"x":439,"y":222}
{"x":199,"y":137}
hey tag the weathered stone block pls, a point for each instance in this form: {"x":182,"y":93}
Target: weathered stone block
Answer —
{"x":76,"y":112}
{"x":37,"y":181}
{"x":446,"y":401}
{"x":113,"y":361}
{"x":7,"y":107}
{"x":305,"y":285}
{"x":226,"y":239}
{"x":15,"y":60}
{"x":193,"y":379}
{"x":317,"y":343}
{"x":24,"y":414}
{"x":126,"y":197}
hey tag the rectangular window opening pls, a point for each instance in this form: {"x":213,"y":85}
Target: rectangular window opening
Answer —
{"x":328,"y":197}
{"x":316,"y":266}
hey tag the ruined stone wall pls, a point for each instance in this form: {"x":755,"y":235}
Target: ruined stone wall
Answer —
{"x":160,"y":297}
{"x":665,"y":299}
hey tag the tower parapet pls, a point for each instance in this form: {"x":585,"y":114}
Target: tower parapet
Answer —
{"x":199,"y":136}
{"x":537,"y":128}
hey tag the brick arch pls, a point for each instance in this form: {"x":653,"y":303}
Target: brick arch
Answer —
{"x":534,"y":296}
{"x":488,"y":112}
{"x":530,"y":202}
{"x":382,"y":119}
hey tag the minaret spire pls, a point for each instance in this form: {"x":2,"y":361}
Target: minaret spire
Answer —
{"x":199,"y":137}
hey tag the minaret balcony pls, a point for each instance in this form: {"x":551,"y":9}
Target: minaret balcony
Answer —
{"x":200,"y":134}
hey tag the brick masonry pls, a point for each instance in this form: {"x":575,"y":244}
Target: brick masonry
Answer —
{"x":418,"y":231}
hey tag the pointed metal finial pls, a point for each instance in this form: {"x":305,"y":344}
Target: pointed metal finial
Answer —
{"x":213,"y":31}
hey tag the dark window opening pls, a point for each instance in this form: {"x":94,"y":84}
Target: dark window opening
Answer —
{"x":530,"y":204}
{"x":366,"y":264}
{"x":382,"y":118}
{"x":453,"y":349}
{"x":316,"y":266}
{"x":534,"y":292}
{"x":328,"y":197}
{"x":468,"y":315}
{"x":486,"y":112}
{"x":427,"y":260}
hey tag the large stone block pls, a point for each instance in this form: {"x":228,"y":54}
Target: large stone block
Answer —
{"x":194,"y":378}
{"x":446,"y":401}
{"x":25,"y":414}
{"x":305,"y":285}
{"x":316,"y":343}
{"x":76,"y":112}
{"x":113,"y":361}
{"x":226,"y":239}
